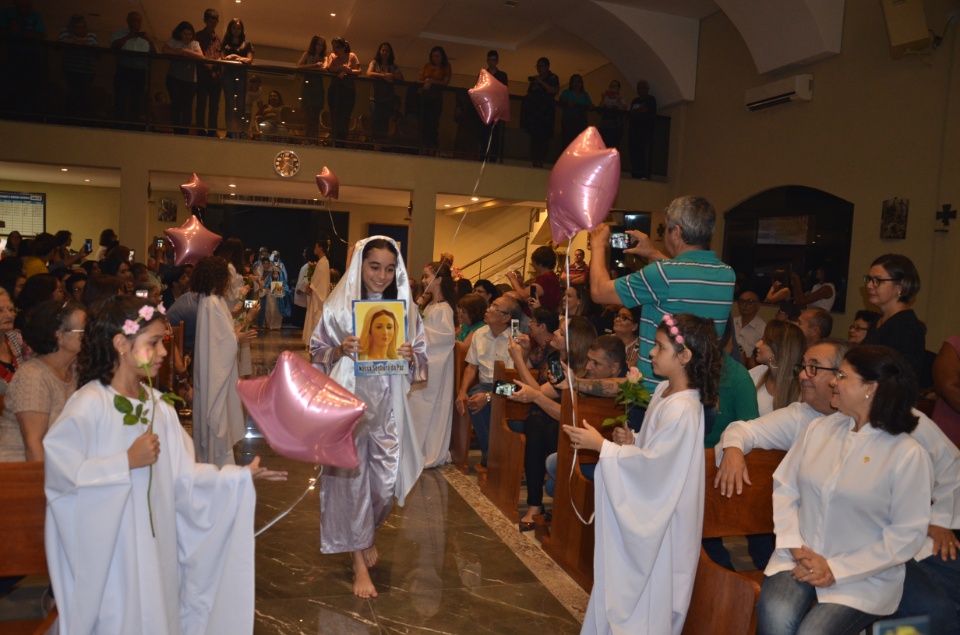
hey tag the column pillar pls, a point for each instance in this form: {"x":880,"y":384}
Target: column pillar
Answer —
{"x":422,"y":228}
{"x":134,"y":207}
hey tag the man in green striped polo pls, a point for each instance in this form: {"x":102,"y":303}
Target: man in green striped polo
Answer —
{"x":689,"y":278}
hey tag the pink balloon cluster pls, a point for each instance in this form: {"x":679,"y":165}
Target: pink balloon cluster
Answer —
{"x":195,"y":192}
{"x":490,"y":98}
{"x":583,"y":185}
{"x":328,"y":183}
{"x":303,"y":414}
{"x":192,"y":242}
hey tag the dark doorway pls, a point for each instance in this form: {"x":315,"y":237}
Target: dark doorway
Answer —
{"x":287,"y":230}
{"x":790,"y":229}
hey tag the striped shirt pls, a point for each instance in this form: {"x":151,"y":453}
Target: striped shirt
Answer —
{"x":694,"y":282}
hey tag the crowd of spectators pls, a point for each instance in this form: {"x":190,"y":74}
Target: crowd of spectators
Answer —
{"x":210,"y":67}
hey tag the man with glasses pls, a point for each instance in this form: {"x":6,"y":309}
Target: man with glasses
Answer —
{"x":748,"y":326}
{"x":932,"y":583}
{"x":488,"y":346}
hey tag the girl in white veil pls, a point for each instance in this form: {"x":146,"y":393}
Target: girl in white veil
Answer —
{"x":353,"y":503}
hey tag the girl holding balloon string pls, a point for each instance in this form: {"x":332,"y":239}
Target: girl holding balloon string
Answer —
{"x":354,"y":502}
{"x":649,"y":490}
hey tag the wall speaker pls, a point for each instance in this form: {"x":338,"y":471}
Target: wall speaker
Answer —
{"x":906,"y":26}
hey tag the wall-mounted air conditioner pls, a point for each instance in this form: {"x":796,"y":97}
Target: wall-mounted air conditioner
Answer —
{"x":782,"y":91}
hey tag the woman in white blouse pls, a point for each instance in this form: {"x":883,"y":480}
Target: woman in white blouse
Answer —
{"x":851,"y":504}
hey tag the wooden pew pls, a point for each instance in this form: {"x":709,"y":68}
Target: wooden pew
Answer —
{"x":462,"y":430}
{"x":22,"y":552}
{"x":506,"y":449}
{"x":570,"y":542}
{"x":721,"y":596}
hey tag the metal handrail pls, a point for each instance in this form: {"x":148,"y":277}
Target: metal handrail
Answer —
{"x":495,"y":249}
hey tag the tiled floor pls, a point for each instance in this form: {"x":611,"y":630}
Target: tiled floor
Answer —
{"x":450,"y":562}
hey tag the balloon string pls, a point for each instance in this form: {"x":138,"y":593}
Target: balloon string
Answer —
{"x":475,"y":186}
{"x":273,"y":522}
{"x":332,"y":225}
{"x":573,"y":393}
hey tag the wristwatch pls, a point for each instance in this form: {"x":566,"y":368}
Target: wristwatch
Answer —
{"x":489,"y":397}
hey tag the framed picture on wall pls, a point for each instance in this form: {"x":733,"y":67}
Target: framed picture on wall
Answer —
{"x":893,"y":218}
{"x":167,"y":210}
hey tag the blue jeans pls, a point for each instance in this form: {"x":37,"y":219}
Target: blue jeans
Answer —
{"x":784,"y":609}
{"x":932,"y":587}
{"x":551,"y":485}
{"x":481,"y":421}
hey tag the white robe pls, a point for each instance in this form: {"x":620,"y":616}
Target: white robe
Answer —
{"x":431,"y":403}
{"x":649,"y":520}
{"x":109,"y":574}
{"x":218,"y":421}
{"x":320,"y":287}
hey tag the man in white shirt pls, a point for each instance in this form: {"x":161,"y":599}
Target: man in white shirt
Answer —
{"x":932,"y":583}
{"x":488,"y":346}
{"x":130,"y":80}
{"x":748,"y":326}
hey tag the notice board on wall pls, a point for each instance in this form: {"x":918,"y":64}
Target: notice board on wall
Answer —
{"x":25,"y":212}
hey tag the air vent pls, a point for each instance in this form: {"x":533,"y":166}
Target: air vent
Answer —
{"x":272,"y":201}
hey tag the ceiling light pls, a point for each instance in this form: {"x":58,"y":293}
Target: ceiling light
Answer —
{"x":63,"y":169}
{"x":447,"y":205}
{"x":233,"y":193}
{"x":333,"y":15}
{"x":86,"y":180}
{"x":474,"y":199}
{"x":232,"y":185}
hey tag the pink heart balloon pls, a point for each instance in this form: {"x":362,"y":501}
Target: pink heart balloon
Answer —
{"x":195,"y":192}
{"x":192,"y":242}
{"x":328,"y":183}
{"x":303,"y":414}
{"x":583,"y":185}
{"x":490,"y":98}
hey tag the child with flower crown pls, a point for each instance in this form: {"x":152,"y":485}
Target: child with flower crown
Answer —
{"x":141,"y":538}
{"x":649,"y":490}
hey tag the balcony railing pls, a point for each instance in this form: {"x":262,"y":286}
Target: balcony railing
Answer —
{"x":100,"y":87}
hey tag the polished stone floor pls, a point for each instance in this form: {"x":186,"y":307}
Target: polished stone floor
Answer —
{"x":449,"y":561}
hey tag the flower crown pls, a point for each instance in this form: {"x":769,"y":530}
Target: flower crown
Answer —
{"x":673,"y":330}
{"x":145,"y":314}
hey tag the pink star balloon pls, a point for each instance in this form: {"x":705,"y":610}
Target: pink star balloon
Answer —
{"x":490,"y":98}
{"x":328,"y":183}
{"x":583,"y":185}
{"x":195,"y":192}
{"x":303,"y":414}
{"x":192,"y":241}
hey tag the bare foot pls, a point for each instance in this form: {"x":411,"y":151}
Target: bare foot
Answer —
{"x":531,"y":512}
{"x":370,"y":556}
{"x":362,"y":584}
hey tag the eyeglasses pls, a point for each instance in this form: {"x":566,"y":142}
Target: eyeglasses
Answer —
{"x":747,"y":301}
{"x":875,"y":280}
{"x":840,"y":375}
{"x":74,"y":331}
{"x":855,"y":327}
{"x":493,"y":308}
{"x":625,"y":317}
{"x":811,"y":369}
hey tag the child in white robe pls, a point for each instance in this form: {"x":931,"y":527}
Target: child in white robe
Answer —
{"x":139,"y":537}
{"x":649,"y":490}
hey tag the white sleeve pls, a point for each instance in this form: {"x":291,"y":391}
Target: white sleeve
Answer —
{"x":945,"y":458}
{"x":777,"y":430}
